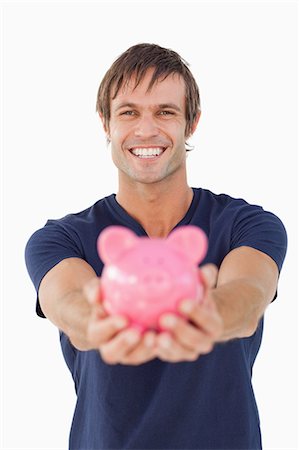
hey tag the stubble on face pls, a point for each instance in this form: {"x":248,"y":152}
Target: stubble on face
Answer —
{"x":149,"y":119}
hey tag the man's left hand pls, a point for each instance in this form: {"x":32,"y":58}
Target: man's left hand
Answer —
{"x":185,"y":339}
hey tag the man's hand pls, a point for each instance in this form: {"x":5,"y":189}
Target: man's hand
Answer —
{"x":246,"y":284}
{"x":111,"y":336}
{"x":187,"y":339}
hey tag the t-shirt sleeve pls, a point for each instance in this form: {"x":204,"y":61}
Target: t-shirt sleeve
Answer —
{"x":46,"y":248}
{"x":261,"y":230}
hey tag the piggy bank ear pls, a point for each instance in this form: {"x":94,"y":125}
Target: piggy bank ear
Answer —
{"x":113,"y":241}
{"x":189,"y":240}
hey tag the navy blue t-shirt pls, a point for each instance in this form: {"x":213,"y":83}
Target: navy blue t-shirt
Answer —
{"x":206,"y":404}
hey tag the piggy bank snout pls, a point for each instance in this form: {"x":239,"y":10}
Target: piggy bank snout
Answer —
{"x":156,"y":280}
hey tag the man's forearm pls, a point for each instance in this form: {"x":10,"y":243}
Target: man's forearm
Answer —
{"x":241,"y":304}
{"x":63,"y":299}
{"x":73,"y":313}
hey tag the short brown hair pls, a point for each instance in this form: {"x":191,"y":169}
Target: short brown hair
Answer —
{"x":136,"y":61}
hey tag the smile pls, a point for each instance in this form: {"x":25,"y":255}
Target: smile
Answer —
{"x":147,"y":152}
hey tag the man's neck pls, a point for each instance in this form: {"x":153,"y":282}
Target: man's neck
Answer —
{"x":158,"y":209}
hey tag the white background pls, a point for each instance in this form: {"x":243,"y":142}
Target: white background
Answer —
{"x":244,"y":57}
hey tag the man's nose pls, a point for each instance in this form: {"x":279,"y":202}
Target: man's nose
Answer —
{"x":146,"y":127}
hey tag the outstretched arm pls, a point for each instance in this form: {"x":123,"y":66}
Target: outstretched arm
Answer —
{"x":246,"y":284}
{"x":69,"y":296}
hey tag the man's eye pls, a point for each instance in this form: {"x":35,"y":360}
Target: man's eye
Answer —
{"x":166,"y":113}
{"x":127,"y":113}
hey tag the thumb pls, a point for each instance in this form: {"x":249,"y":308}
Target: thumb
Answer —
{"x":209,"y":274}
{"x":92,"y":291}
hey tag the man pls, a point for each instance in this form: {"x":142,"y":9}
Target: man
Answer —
{"x":188,"y":387}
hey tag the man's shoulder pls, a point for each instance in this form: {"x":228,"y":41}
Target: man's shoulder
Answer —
{"x":212,"y":200}
{"x":88,"y":215}
{"x":224,"y":209}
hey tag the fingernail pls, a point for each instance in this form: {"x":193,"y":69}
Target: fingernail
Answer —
{"x":120,"y":322}
{"x":92,"y":291}
{"x":149,"y":341}
{"x":210,"y":273}
{"x":132,"y":337}
{"x":165,"y":341}
{"x":186,"y":306}
{"x":169,"y":321}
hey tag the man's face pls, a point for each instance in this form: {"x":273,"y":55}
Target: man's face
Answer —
{"x":147,"y":130}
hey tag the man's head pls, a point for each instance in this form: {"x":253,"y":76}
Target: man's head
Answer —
{"x":135,"y":63}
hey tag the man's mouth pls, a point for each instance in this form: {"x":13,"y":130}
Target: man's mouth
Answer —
{"x":147,"y":152}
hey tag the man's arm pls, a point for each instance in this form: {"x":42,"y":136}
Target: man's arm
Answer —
{"x":246,"y":284}
{"x":69,"y":296}
{"x":247,"y":280}
{"x":62,"y":300}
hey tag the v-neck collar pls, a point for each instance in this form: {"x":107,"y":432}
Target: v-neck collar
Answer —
{"x":125,"y":219}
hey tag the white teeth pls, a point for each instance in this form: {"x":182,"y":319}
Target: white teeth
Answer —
{"x":147,"y":152}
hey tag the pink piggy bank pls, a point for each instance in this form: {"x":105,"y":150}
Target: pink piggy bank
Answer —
{"x":146,"y":277}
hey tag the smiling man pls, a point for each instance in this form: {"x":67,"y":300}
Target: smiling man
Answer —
{"x":188,"y":387}
{"x":147,"y":131}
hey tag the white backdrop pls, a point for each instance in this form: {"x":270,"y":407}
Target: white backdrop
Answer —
{"x":244,"y":57}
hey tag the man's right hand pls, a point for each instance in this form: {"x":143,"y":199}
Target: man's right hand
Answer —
{"x":69,"y":296}
{"x":116,"y":341}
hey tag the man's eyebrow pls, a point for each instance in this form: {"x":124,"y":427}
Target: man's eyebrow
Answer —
{"x":160,"y":106}
{"x":126,"y":105}
{"x":170,"y":106}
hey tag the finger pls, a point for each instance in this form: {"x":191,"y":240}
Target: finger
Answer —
{"x":206,"y":319}
{"x":188,"y":336}
{"x":170,"y":350}
{"x":100,"y":331}
{"x":115,"y":350}
{"x":92,"y":291}
{"x":145,"y":350}
{"x":209,"y":274}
